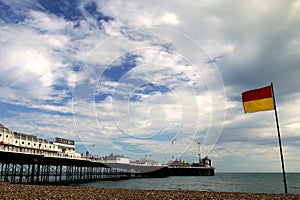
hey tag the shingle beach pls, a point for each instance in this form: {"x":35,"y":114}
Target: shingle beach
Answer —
{"x":22,"y":191}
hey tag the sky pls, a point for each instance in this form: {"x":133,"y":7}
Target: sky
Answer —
{"x":161,"y":79}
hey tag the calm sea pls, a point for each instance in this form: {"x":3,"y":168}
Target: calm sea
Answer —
{"x":221,"y":182}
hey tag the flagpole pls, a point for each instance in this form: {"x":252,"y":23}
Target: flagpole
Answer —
{"x":279,"y":139}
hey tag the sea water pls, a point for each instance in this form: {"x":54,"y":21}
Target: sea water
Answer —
{"x":221,"y":182}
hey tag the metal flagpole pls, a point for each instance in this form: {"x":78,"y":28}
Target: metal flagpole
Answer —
{"x":279,"y":139}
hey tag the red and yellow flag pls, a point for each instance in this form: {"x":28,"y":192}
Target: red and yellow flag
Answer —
{"x":258,"y":100}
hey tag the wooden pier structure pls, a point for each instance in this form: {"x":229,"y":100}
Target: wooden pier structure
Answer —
{"x":38,"y":169}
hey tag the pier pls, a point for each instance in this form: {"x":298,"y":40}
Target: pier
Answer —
{"x":38,"y":169}
{"x":28,"y":159}
{"x":16,"y":167}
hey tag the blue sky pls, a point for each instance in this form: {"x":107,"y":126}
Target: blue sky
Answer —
{"x":131,"y":77}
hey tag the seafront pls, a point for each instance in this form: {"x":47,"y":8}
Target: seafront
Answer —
{"x":22,"y":191}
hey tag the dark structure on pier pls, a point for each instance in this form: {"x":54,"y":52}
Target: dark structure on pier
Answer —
{"x":191,"y":171}
{"x":201,"y":168}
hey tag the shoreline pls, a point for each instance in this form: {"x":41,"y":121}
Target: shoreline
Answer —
{"x":23,"y":191}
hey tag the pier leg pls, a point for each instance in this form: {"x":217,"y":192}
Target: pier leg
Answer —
{"x":2,"y":164}
{"x":21,"y":174}
{"x":60,"y":173}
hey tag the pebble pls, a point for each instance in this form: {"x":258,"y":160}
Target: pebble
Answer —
{"x":46,"y":192}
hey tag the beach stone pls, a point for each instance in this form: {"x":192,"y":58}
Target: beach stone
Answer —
{"x":42,"y":192}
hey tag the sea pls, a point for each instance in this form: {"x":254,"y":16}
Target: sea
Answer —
{"x":221,"y":182}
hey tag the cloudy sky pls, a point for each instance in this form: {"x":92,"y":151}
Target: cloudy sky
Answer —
{"x":155,"y":79}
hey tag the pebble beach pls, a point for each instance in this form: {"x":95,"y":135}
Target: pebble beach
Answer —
{"x":22,"y":191}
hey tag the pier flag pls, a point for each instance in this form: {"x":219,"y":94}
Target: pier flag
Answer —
{"x":258,"y":100}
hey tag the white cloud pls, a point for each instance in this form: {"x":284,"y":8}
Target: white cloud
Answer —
{"x":170,"y":18}
{"x":46,"y":22}
{"x":29,"y":61}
